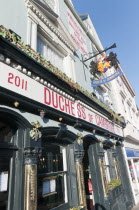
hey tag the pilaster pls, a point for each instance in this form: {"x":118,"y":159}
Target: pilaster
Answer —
{"x":80,"y":178}
{"x":31,"y":156}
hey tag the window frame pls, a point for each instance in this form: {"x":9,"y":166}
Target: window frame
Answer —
{"x":55,"y":175}
{"x":55,"y":51}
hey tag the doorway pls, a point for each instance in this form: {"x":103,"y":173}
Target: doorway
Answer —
{"x":6,"y":153}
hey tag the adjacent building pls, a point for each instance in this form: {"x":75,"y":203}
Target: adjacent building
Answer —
{"x":126,"y":106}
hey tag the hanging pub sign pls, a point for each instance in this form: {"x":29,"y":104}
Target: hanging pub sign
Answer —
{"x":102,"y":65}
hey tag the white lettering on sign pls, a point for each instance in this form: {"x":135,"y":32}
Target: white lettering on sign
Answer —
{"x":20,"y":83}
{"x":77,"y":34}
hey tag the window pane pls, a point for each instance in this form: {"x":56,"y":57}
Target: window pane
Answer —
{"x":49,"y":54}
{"x":54,"y":198}
{"x":51,"y":177}
{"x":51,"y":160}
{"x":6,"y":133}
{"x":40,"y":46}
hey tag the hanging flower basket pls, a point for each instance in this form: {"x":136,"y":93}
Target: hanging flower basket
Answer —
{"x":35,"y":133}
{"x":113,"y":184}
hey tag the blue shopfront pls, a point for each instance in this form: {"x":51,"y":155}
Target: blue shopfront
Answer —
{"x":132,"y":153}
{"x":133,"y":164}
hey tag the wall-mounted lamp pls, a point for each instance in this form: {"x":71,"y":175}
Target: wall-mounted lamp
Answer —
{"x":60,"y":119}
{"x":16,"y":103}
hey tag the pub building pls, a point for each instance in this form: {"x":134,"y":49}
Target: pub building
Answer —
{"x":59,"y":148}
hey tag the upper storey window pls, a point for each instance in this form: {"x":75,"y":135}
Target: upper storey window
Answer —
{"x":100,"y":94}
{"x":49,"y":53}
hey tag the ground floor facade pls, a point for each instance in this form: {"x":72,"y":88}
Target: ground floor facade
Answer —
{"x":58,"y":149}
{"x":60,"y":170}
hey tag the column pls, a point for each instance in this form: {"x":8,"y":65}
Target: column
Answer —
{"x":102,"y":171}
{"x":30,"y":182}
{"x":95,"y":155}
{"x":80,"y":178}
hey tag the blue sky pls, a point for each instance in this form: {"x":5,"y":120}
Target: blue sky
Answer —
{"x":117,"y":22}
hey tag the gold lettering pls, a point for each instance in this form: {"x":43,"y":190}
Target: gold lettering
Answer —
{"x":32,"y":185}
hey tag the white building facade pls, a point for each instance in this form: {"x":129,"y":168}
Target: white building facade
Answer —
{"x":124,"y":102}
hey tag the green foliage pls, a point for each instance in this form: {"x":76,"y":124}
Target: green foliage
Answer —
{"x":3,"y":34}
{"x":35,"y":133}
{"x":113,"y":183}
